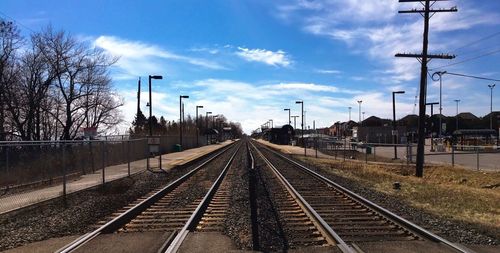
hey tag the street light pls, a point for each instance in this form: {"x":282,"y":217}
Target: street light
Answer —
{"x":394,"y":130}
{"x":301,"y":102}
{"x":440,"y":74}
{"x":206,"y":121}
{"x":289,"y":111}
{"x":491,"y":86}
{"x":181,"y":116}
{"x":457,"y":101}
{"x":150,"y":104}
{"x":349,"y":112}
{"x":359,"y":102}
{"x":294,"y":121}
{"x":432,"y":123}
{"x":197,"y":126}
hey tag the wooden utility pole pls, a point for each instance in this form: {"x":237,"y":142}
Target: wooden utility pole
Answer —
{"x":424,"y":58}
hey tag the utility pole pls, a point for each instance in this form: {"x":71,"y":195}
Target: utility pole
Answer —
{"x":138,"y":96}
{"x":457,"y":101}
{"x":424,"y":58}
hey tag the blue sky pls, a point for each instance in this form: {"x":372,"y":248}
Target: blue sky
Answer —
{"x":250,"y":59}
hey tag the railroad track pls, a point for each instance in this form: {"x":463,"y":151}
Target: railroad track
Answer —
{"x":174,"y":208}
{"x":301,"y":224}
{"x":351,"y":217}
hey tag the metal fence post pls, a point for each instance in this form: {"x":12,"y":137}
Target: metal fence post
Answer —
{"x":159,"y":154}
{"x":64,"y":171}
{"x":366,"y":154}
{"x":477,"y":158}
{"x":128,"y":157}
{"x":103,"y":162}
{"x":374,"y":156}
{"x":91,"y":157}
{"x":452,"y":155}
{"x":7,"y":148}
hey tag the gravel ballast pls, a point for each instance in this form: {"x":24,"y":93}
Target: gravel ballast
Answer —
{"x":83,"y":209}
{"x":452,"y":230}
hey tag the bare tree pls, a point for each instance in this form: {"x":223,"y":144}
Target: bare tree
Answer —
{"x":10,"y":41}
{"x":80,"y":72}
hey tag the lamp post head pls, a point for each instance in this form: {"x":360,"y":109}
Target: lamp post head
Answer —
{"x":299,"y":102}
{"x":399,"y":92}
{"x":199,"y":106}
{"x":155,"y":77}
{"x":209,"y":113}
{"x":491,"y":86}
{"x":286,"y":109}
{"x":360,"y":101}
{"x":184,"y":96}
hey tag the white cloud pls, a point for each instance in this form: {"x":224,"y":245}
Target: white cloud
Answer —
{"x":137,"y":58}
{"x":328,"y":71}
{"x":277,"y":58}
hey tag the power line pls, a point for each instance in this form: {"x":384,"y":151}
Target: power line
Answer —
{"x":475,"y":77}
{"x":469,"y":59}
{"x":477,"y":41}
{"x":17,"y":22}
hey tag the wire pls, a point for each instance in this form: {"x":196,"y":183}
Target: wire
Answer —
{"x":477,"y":41}
{"x":475,"y":77}
{"x":7,"y":16}
{"x":467,"y":60}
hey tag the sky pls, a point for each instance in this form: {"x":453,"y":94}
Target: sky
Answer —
{"x":251,"y":59}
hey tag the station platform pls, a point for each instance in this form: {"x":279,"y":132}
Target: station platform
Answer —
{"x":27,"y":198}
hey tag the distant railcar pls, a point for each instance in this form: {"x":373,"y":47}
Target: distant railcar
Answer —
{"x":282,"y":136}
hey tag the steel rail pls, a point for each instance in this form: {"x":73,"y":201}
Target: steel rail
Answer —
{"x":200,"y":209}
{"x":384,"y":212}
{"x":324,"y":227}
{"x":137,"y":209}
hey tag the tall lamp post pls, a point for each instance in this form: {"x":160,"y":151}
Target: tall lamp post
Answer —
{"x":394,"y":130}
{"x":289,"y":111}
{"x":349,"y":112}
{"x":198,"y":126}
{"x":432,"y":114}
{"x":181,"y":116}
{"x":295,"y":121}
{"x":206,"y":122}
{"x":301,"y":102}
{"x":440,"y":74}
{"x":359,"y":102}
{"x":150,"y":105}
{"x":491,"y":86}
{"x":457,"y":101}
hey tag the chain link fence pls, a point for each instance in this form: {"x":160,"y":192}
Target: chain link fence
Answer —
{"x":31,"y":172}
{"x":472,"y":157}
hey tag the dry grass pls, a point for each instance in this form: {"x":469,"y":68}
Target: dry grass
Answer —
{"x":454,"y":193}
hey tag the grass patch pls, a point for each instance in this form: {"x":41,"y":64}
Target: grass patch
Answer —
{"x":459,"y":194}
